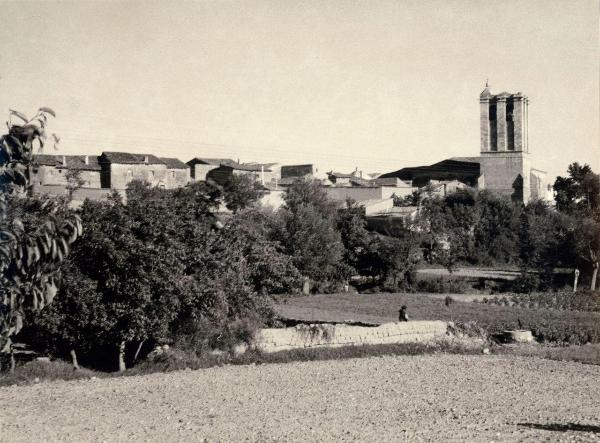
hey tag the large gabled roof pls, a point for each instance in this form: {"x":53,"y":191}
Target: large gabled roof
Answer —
{"x":448,"y":169}
{"x":173,"y":163}
{"x":129,"y":158}
{"x":210,"y":161}
{"x":76,"y":162}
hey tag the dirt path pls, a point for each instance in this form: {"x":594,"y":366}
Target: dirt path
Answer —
{"x":428,"y":398}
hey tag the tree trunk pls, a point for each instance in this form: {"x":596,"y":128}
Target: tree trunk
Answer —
{"x":122,"y":356}
{"x":594,"y":276}
{"x":74,"y":359}
{"x":137,"y":353}
{"x":13,"y":363}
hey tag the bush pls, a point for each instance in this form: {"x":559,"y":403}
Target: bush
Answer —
{"x":201,"y":336}
{"x":442,"y":285}
{"x":37,"y":371}
{"x":524,"y":283}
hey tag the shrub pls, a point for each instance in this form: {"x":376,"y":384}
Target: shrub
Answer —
{"x":525,"y":283}
{"x":442,"y":285}
{"x":38,"y":371}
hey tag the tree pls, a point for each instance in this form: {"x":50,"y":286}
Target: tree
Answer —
{"x":394,"y":259}
{"x":141,"y":283}
{"x":352,"y":226}
{"x":307,"y":230}
{"x":74,"y":322}
{"x":579,"y":191}
{"x":30,"y":256}
{"x":74,"y":181}
{"x":241,"y":191}
{"x":588,"y":245}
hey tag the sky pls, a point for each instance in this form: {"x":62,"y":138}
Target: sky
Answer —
{"x":375,"y":85}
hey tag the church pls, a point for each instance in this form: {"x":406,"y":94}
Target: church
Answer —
{"x":504,"y":164}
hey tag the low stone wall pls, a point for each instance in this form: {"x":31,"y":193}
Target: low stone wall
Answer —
{"x":335,"y":335}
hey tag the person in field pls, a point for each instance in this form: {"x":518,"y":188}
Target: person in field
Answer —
{"x":402,"y":314}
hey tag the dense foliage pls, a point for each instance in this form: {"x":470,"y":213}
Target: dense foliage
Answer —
{"x":168,"y":267}
{"x":30,"y":252}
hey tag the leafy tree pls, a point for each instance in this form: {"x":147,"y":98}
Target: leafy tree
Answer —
{"x":579,"y":191}
{"x":30,"y":255}
{"x":496,"y":231}
{"x":352,"y":226}
{"x":394,"y":259}
{"x":309,"y":193}
{"x":241,"y":191}
{"x":74,"y":181}
{"x":74,"y":322}
{"x":270,"y":270}
{"x":140,"y":282}
{"x":307,"y":231}
{"x":588,"y":245}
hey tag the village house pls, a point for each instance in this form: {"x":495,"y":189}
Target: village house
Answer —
{"x":121,"y":168}
{"x":222,"y":174}
{"x":200,"y":167}
{"x":178,"y":173}
{"x":51,"y":170}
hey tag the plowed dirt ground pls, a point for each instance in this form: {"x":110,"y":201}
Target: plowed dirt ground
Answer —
{"x":423,"y":398}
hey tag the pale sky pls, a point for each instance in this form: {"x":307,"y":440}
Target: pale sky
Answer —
{"x":377,"y":85}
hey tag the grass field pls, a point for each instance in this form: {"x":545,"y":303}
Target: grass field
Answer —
{"x":549,"y":325}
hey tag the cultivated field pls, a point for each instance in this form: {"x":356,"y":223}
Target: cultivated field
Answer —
{"x":576,"y":327}
{"x":426,"y":398}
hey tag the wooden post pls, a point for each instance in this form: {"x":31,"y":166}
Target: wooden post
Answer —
{"x":306,"y":286}
{"x":74,"y":359}
{"x":575,"y":280}
{"x":121,"y":356}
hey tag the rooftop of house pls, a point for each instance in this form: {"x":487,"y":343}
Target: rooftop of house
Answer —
{"x":128,"y":158}
{"x":210,"y":161}
{"x":341,"y":174}
{"x":76,"y":162}
{"x":173,"y":163}
{"x":246,"y":167}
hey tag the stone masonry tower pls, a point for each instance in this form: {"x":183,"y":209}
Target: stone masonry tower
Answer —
{"x":505,"y":164}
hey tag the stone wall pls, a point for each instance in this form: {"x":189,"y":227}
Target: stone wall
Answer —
{"x":177,"y":178}
{"x":53,"y":176}
{"x":507,"y":173}
{"x":122,"y":174}
{"x":336,"y":335}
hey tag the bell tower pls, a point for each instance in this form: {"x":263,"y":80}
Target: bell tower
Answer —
{"x":504,"y":143}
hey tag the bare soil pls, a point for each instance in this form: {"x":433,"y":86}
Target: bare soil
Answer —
{"x":424,"y":398}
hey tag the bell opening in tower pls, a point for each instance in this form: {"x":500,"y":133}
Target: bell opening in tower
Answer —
{"x":510,"y":126}
{"x":493,"y":128}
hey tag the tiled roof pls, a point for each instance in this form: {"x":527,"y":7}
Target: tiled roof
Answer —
{"x":246,"y":167}
{"x":173,"y":163}
{"x":358,"y":181}
{"x":210,"y":161}
{"x":466,"y":159}
{"x":129,"y":158}
{"x":72,"y":161}
{"x":340,"y":175}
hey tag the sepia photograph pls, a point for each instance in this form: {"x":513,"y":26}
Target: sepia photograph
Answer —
{"x":299,"y":220}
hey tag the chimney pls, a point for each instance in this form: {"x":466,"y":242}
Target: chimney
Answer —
{"x":64,"y":160}
{"x":360,"y":174}
{"x":262,"y":175}
{"x":87,"y":159}
{"x":146,"y":159}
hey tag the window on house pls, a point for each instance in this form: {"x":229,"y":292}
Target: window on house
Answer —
{"x":173,"y":174}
